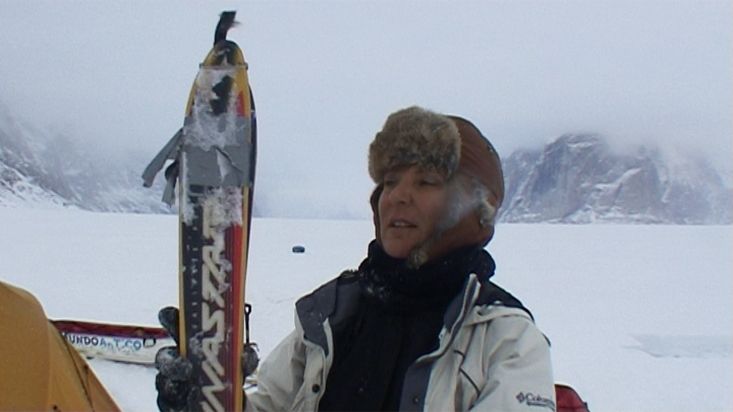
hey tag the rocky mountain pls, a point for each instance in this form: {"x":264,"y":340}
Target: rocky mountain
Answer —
{"x":39,"y":168}
{"x":579,"y":178}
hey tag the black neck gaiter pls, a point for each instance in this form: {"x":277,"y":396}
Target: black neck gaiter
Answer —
{"x":435,"y":283}
{"x":399,"y":319}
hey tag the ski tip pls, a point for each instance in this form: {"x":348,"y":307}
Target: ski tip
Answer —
{"x":226,"y":21}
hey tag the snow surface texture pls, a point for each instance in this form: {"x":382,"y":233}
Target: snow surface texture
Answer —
{"x":640,"y":317}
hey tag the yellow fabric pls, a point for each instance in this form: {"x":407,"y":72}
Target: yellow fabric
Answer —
{"x":39,"y":369}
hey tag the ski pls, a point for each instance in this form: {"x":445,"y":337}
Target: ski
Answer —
{"x":214,"y":163}
{"x":116,"y":342}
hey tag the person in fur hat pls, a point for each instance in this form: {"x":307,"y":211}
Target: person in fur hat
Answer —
{"x":419,"y":325}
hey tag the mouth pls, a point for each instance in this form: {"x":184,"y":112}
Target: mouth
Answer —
{"x":401,"y":224}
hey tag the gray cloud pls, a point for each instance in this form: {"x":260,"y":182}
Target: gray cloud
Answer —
{"x":326,"y":74}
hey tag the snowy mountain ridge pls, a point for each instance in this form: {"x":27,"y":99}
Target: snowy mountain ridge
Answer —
{"x":577,"y":178}
{"x":42,"y":169}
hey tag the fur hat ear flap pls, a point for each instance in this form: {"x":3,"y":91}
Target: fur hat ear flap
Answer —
{"x":480,"y":161}
{"x":415,"y":136}
{"x":374,"y":202}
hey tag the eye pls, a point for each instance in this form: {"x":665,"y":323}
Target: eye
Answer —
{"x":431,"y":179}
{"x":389,"y":180}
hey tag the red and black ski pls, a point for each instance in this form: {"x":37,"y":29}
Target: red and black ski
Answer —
{"x":214,"y":155}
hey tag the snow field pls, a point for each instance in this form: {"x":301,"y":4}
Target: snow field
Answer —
{"x":640,"y":317}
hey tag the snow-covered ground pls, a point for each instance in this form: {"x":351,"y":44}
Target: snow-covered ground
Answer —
{"x":640,"y":317}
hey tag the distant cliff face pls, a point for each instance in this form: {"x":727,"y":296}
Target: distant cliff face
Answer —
{"x":580,"y":179}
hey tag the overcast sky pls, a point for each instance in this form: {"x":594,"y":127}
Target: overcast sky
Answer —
{"x":327,"y":73}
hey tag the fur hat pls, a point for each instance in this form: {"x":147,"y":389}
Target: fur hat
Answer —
{"x":454,"y":147}
{"x":415,"y":136}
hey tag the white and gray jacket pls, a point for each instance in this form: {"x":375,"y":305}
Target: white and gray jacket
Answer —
{"x":491,"y":356}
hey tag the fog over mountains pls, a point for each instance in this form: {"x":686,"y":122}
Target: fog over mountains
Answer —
{"x":39,"y":168}
{"x":577,"y":178}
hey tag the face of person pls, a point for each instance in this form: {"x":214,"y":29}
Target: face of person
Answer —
{"x":411,"y":204}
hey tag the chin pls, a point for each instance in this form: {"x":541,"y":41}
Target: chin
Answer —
{"x":396,"y":251}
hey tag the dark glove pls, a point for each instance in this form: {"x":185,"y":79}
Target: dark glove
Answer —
{"x":174,"y":381}
{"x":250,"y":359}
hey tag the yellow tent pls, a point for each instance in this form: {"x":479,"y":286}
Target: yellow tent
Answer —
{"x":39,"y":369}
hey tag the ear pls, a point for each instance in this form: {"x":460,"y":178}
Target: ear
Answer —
{"x":487,"y":213}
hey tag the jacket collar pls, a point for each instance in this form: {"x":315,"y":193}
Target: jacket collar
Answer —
{"x":336,"y":301}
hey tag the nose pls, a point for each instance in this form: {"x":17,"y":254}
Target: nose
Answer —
{"x":400,"y":192}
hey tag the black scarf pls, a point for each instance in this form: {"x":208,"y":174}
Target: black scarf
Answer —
{"x":436,"y":283}
{"x":399,"y":319}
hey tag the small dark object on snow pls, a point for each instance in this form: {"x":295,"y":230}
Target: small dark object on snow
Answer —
{"x":298,"y":249}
